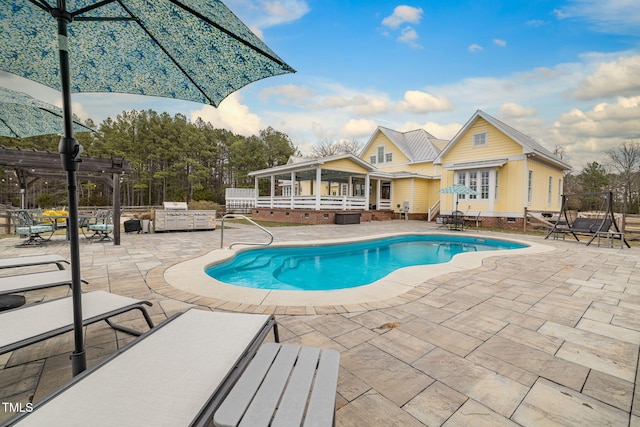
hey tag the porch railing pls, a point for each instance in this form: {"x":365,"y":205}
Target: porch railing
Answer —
{"x":309,"y":202}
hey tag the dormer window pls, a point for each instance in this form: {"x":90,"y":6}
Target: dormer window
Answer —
{"x":480,"y":139}
{"x":381,"y":154}
{"x":388,"y":157}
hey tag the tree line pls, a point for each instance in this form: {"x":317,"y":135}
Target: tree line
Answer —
{"x":172,"y":159}
{"x":618,"y":172}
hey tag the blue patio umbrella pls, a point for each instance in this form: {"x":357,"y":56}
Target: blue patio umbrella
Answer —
{"x":457,"y":189}
{"x":195,"y":50}
{"x":22,"y":116}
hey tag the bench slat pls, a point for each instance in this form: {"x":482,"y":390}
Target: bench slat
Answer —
{"x":322,"y":404}
{"x":238,"y":400}
{"x":264,"y":404}
{"x":294,"y":400}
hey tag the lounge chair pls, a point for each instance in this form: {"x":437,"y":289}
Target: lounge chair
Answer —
{"x":26,"y":222}
{"x":24,"y":326}
{"x":101,"y":225}
{"x":33,"y":281}
{"x":175,"y":375}
{"x":28,"y":261}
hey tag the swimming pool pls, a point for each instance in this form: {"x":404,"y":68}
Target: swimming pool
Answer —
{"x":342,"y":266}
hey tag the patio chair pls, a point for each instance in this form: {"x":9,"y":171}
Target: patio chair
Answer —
{"x":175,"y":375}
{"x":101,"y":225}
{"x":27,"y":222}
{"x":28,"y":261}
{"x":33,"y":281}
{"x":28,"y":325}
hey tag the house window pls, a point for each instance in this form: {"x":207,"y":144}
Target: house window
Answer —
{"x":550,"y":192}
{"x":381,"y":154}
{"x":479,"y":139}
{"x":372,"y":160}
{"x":388,"y":157}
{"x":344,"y":190}
{"x":473,"y":184}
{"x":530,"y":188}
{"x":495,"y":190}
{"x":462,"y":180}
{"x":484,"y":185}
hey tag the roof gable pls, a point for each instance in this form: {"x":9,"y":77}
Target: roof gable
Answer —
{"x":528,"y":144}
{"x":417,"y":145}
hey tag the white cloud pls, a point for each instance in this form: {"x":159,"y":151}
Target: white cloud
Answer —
{"x":617,"y":78}
{"x":402,"y":14}
{"x":358,"y":128}
{"x":474,"y":48}
{"x":615,"y":16}
{"x":231,"y":114}
{"x":447,"y":131}
{"x":418,"y":102}
{"x":260,"y":14}
{"x":409,"y":36}
{"x":499,"y":42}
{"x":287,"y":94}
{"x":511,"y":109}
{"x":585,"y":135}
{"x":535,"y":23}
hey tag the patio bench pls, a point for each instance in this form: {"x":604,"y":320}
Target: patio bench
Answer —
{"x":174,"y":375}
{"x":28,"y":261}
{"x":284,"y":385}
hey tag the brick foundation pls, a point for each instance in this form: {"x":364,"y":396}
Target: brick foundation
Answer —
{"x":304,"y":216}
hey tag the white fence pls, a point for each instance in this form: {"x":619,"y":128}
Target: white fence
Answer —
{"x":310,"y":202}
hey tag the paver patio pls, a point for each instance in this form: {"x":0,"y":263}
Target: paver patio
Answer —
{"x":544,"y":339}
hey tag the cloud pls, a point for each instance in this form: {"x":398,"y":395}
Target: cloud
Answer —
{"x":585,"y":135}
{"x":409,"y":36}
{"x":287,"y":94}
{"x":358,"y":128}
{"x":614,"y":16}
{"x":446,"y":132}
{"x":419,"y":102}
{"x":617,"y":78}
{"x":513,"y":110}
{"x":499,"y":42}
{"x":231,"y":114}
{"x":402,"y":14}
{"x":535,"y":23}
{"x":261,"y":14}
{"x":474,"y":48}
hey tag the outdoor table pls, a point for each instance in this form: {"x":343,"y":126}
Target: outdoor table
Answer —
{"x":455,"y":221}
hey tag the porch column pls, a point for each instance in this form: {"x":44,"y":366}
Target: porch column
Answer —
{"x":273,"y":189}
{"x":350,"y":187}
{"x":318,"y":187}
{"x":293,"y":189}
{"x":257,"y":191}
{"x":378,"y":192}
{"x":367,"y":183}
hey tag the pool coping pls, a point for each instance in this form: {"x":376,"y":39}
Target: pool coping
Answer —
{"x":396,"y":288}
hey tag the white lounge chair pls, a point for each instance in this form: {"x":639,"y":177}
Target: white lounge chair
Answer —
{"x":28,"y":261}
{"x":175,"y":375}
{"x":33,"y":281}
{"x":24,"y":326}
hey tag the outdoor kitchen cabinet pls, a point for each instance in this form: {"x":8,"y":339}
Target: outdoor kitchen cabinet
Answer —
{"x":184,"y":220}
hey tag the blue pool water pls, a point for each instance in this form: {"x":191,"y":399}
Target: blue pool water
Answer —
{"x":340,"y":266}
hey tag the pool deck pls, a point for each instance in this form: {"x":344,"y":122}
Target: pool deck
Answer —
{"x":546,"y":337}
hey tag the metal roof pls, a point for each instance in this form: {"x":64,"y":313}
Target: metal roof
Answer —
{"x":418,"y":145}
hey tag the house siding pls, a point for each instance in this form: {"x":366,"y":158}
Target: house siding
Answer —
{"x":498,"y":145}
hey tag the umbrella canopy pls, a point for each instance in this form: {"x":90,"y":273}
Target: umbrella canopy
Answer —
{"x":196,"y":50}
{"x":22,"y":116}
{"x":458,"y":189}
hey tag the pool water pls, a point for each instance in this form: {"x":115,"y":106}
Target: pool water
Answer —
{"x":330,"y":267}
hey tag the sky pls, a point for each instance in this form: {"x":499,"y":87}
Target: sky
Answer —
{"x":565,"y":72}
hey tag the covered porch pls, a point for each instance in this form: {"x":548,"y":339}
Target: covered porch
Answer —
{"x":342,"y":182}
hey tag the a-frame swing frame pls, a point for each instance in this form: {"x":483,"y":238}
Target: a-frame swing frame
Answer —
{"x":608,"y":215}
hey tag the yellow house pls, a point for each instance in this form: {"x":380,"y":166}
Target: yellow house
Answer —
{"x":508,"y":169}
{"x":402,"y":173}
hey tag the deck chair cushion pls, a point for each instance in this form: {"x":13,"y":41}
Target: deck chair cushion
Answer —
{"x":165,"y":378}
{"x":33,"y":281}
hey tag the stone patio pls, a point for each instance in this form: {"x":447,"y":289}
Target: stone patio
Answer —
{"x":538,"y":340}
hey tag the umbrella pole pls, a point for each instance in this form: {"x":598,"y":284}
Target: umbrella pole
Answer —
{"x":70,"y":150}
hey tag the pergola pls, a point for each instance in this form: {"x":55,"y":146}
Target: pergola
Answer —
{"x":31,"y":165}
